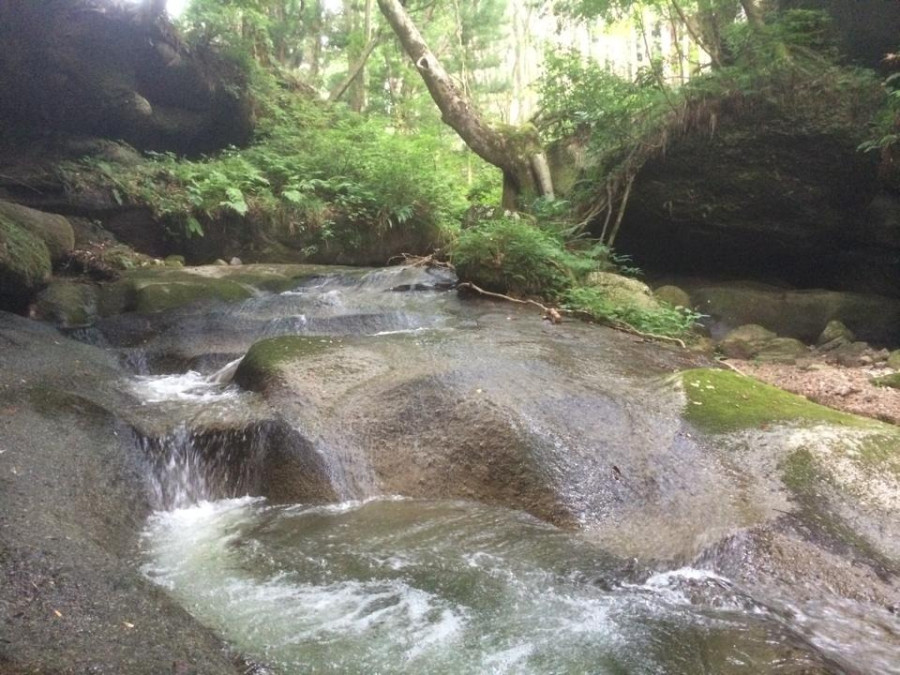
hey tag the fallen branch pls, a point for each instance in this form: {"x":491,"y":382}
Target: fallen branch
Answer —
{"x":733,"y":367}
{"x":550,"y":313}
{"x":625,"y":328}
{"x":421,"y":261}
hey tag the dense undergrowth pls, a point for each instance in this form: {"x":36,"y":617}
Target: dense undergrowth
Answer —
{"x":322,"y":183}
{"x":317,"y":180}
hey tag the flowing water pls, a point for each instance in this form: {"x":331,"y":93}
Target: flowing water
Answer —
{"x":407,"y":586}
{"x":382,"y":584}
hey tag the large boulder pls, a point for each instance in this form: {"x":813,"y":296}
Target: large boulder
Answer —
{"x":111,"y":70}
{"x":623,"y":291}
{"x":746,"y":342}
{"x":67,"y":304}
{"x":73,"y":498}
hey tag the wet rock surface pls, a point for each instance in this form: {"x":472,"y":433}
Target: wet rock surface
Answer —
{"x":72,"y":499}
{"x":355,"y":385}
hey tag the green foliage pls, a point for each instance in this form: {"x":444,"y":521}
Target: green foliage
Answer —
{"x":527,"y":256}
{"x":584,"y":97}
{"x":663,"y":320}
{"x":327,"y":175}
{"x":513,"y":255}
{"x":886,"y":130}
{"x":782,"y":73}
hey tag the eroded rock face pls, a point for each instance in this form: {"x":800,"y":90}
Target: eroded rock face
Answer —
{"x":370,"y":391}
{"x":98,"y":68}
{"x":773,"y":195}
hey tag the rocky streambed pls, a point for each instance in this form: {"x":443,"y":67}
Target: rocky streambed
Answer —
{"x":357,"y":471}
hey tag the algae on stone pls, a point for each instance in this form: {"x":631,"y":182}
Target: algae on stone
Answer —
{"x":264,"y":358}
{"x":720,"y":401}
{"x":67,"y":304}
{"x":54,"y":230}
{"x":157,"y":297}
{"x":24,"y":264}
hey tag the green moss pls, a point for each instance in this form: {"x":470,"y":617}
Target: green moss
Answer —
{"x":157,"y":297}
{"x":24,"y":259}
{"x":800,"y":472}
{"x":880,"y":453}
{"x":115,"y":298}
{"x":67,"y":304}
{"x":264,"y":359}
{"x":720,"y":401}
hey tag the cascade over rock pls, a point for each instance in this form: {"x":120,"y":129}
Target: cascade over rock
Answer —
{"x":72,"y":497}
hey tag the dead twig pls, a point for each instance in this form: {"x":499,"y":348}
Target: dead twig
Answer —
{"x":733,"y":367}
{"x":550,"y":313}
{"x":421,"y":261}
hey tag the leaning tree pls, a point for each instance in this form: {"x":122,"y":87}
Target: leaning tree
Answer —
{"x":517,"y":152}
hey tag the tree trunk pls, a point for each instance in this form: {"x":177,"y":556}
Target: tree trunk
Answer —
{"x":356,"y":70}
{"x":510,"y":151}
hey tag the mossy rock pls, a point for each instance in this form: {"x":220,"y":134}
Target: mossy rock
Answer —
{"x":115,"y":298}
{"x":746,"y":341}
{"x":673,"y":295}
{"x":721,"y":401}
{"x":67,"y":304}
{"x":265,"y":358}
{"x":624,"y":291}
{"x":892,"y":381}
{"x":893,"y":360}
{"x":54,"y":230}
{"x":24,"y":265}
{"x":156,"y":289}
{"x":157,"y":297}
{"x":782,"y":350}
{"x":836,"y":332}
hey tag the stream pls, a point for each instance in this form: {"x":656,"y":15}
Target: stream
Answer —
{"x":375,"y":582}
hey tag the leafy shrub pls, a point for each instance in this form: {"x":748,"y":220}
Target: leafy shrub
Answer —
{"x":325,"y":176}
{"x":528,"y":257}
{"x":665,"y":320}
{"x":511,"y":255}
